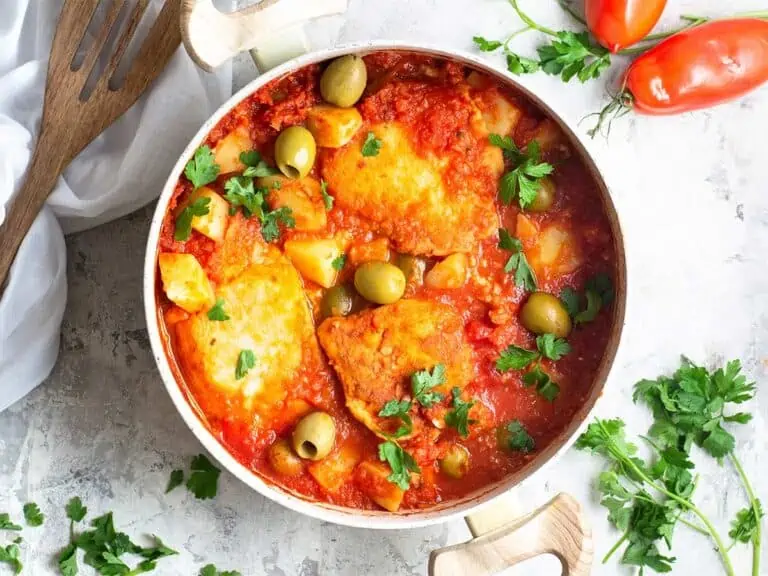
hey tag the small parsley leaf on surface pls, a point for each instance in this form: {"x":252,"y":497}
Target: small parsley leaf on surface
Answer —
{"x":204,"y":480}
{"x":423,"y":381}
{"x":184,"y":220}
{"x":6,"y":524}
{"x":519,"y":65}
{"x":398,"y":409}
{"x":400,"y":462}
{"x":211,"y":570}
{"x":371,"y":146}
{"x":486,"y":45}
{"x":11,"y":555}
{"x":458,"y":417}
{"x":546,"y":388}
{"x":256,"y":167}
{"x":517,"y":438}
{"x":573,"y":55}
{"x":32,"y":514}
{"x":524,"y":274}
{"x":327,"y":198}
{"x":68,"y":561}
{"x":202,"y":168}
{"x":551,"y":347}
{"x":75,"y":509}
{"x":515,"y":358}
{"x":217,"y":313}
{"x":176,"y":479}
{"x":245,"y":361}
{"x":339,"y":262}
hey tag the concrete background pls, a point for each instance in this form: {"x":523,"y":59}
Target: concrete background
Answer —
{"x":692,"y":193}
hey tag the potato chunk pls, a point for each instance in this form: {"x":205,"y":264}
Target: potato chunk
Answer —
{"x":214,"y":224}
{"x":333,"y":127}
{"x":449,"y":274}
{"x":185,"y":282}
{"x":227,"y":151}
{"x":372,"y":479}
{"x":334,"y":470}
{"x":302,"y":196}
{"x":556,"y":252}
{"x":314,"y":259}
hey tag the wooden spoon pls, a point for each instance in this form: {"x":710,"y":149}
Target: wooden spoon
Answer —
{"x":69,"y":122}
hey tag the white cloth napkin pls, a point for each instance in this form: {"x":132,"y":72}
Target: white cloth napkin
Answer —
{"x":120,"y":171}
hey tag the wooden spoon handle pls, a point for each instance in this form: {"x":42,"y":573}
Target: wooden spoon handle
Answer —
{"x":42,"y":174}
{"x":557,"y":528}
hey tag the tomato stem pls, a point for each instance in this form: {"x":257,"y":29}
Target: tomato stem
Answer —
{"x":530,"y":22}
{"x":619,"y":105}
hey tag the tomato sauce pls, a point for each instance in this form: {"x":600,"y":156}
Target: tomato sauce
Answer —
{"x":429,"y":96}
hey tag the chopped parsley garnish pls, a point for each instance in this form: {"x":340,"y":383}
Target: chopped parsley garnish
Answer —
{"x":422,"y":382}
{"x":217,"y":313}
{"x":327,"y":198}
{"x":458,"y":418}
{"x":523,"y":181}
{"x":203,"y":481}
{"x":552,"y":347}
{"x":211,"y":570}
{"x":32,"y":514}
{"x":570,"y":299}
{"x":256,"y":167}
{"x":517,"y":358}
{"x":598,"y":292}
{"x":517,"y":439}
{"x":400,"y":462}
{"x":524,"y":275}
{"x":202,"y":169}
{"x":184,"y":220}
{"x":241,"y":192}
{"x":372,"y":145}
{"x":176,"y":479}
{"x":398,"y":409}
{"x":245,"y":361}
{"x":546,"y":388}
{"x":339,"y":262}
{"x":269,"y":222}
{"x":7,"y":524}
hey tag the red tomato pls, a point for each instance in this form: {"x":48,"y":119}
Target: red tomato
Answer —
{"x":700,"y":67}
{"x":620,"y":23}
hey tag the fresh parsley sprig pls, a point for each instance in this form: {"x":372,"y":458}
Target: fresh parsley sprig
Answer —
{"x":371,"y":146}
{"x":255,"y":166}
{"x":524,"y":180}
{"x":241,"y":192}
{"x":203,"y":481}
{"x":202,"y":168}
{"x":516,"y":358}
{"x":422,"y":383}
{"x":198,"y":207}
{"x":458,"y":417}
{"x":400,"y":462}
{"x":516,"y":438}
{"x":398,"y":409}
{"x":598,"y":292}
{"x":517,"y":262}
{"x":32,"y":514}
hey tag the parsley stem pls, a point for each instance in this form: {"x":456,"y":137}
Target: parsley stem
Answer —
{"x":615,"y":547}
{"x":679,"y":517}
{"x":755,"y":510}
{"x":622,"y":457}
{"x":513,"y":36}
{"x":530,"y":22}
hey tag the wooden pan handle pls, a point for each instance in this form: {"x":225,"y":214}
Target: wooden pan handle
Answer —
{"x":212,"y":37}
{"x":557,"y":528}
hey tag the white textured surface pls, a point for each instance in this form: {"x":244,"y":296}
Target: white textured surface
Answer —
{"x":693,"y":197}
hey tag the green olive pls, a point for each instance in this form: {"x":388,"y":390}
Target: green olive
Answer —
{"x":456,"y":461}
{"x":413,"y":268}
{"x":545,"y":197}
{"x":284,"y":460}
{"x":337,"y":301}
{"x":545,"y":314}
{"x":314,"y":436}
{"x":295,"y":151}
{"x":380,"y":282}
{"x":344,"y":80}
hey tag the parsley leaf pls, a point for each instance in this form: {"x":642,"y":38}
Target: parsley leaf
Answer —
{"x":269,"y":223}
{"x":75,"y":509}
{"x":400,"y":462}
{"x":371,"y":146}
{"x":240,"y":192}
{"x":176,"y":479}
{"x":570,"y":299}
{"x":184,"y":220}
{"x":211,"y":570}
{"x":256,"y":167}
{"x":202,"y":168}
{"x":11,"y":555}
{"x":398,"y":409}
{"x":338,"y":262}
{"x":546,"y":388}
{"x":459,"y":417}
{"x":422,"y":382}
{"x":524,"y":274}
{"x":523,"y":181}
{"x":520,"y":65}
{"x":515,"y":358}
{"x":517,"y":439}
{"x":204,"y":480}
{"x":216,"y":313}
{"x":573,"y":54}
{"x":486,"y":45}
{"x":6,"y":524}
{"x":32,"y":514}
{"x":327,"y":198}
{"x":552,"y":347}
{"x":68,"y":561}
{"x":744,"y":528}
{"x":245,"y":361}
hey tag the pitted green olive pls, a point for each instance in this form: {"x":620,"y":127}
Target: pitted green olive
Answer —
{"x":545,"y":314}
{"x":344,"y":80}
{"x":295,"y":151}
{"x":380,"y":282}
{"x":284,"y":460}
{"x":456,"y":461}
{"x":413,"y":268}
{"x":545,"y":196}
{"x":337,"y":301}
{"x":314,"y":436}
